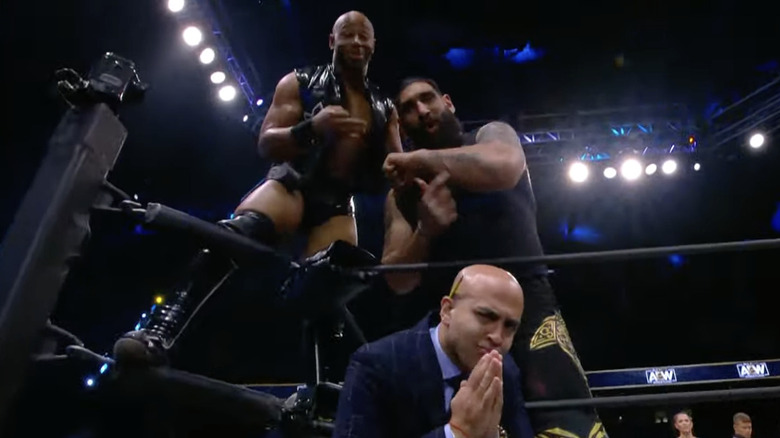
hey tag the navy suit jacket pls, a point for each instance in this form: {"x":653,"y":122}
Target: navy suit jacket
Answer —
{"x":393,"y":388}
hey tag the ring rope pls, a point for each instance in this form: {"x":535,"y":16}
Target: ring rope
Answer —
{"x":594,"y":256}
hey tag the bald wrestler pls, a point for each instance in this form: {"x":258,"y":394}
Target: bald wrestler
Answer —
{"x":328,"y":130}
{"x":449,"y":376}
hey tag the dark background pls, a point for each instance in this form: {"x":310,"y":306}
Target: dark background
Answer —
{"x":190,"y":151}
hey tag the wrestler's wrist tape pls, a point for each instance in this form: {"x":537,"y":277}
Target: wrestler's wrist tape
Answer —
{"x":304,"y":134}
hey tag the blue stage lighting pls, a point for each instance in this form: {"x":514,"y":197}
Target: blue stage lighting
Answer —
{"x":460,"y":57}
{"x":776,"y":219}
{"x":527,"y":54}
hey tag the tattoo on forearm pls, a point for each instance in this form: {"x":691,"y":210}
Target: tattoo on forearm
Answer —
{"x":466,"y":158}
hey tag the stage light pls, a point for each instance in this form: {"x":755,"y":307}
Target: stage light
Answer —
{"x":610,"y":173}
{"x":217,"y":77}
{"x":578,"y":172}
{"x":192,"y":36}
{"x":104,"y":368}
{"x":246,"y":117}
{"x":159,"y":299}
{"x":260,"y":102}
{"x":697,"y":167}
{"x":669,"y":167}
{"x":227,"y":93}
{"x":143,"y":315}
{"x":89,"y":382}
{"x":175,"y":5}
{"x":631,"y":169}
{"x":651,"y":168}
{"x":756,"y":140}
{"x":207,"y":56}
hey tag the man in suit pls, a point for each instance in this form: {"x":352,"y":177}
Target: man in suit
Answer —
{"x":743,"y":425}
{"x":447,"y":376}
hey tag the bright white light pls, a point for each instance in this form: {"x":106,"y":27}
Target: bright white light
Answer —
{"x":192,"y":36}
{"x":756,"y":141}
{"x":610,"y":172}
{"x":697,"y":167}
{"x":631,"y":169}
{"x":217,"y":77}
{"x":246,"y":117}
{"x":207,"y":55}
{"x":651,"y":168}
{"x":227,"y":93}
{"x":175,"y":5}
{"x":260,"y":102}
{"x":90,"y":382}
{"x":578,"y":172}
{"x":669,"y":167}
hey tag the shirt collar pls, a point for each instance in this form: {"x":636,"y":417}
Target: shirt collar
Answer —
{"x":448,"y":368}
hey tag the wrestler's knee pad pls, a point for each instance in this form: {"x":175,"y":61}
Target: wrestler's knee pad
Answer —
{"x":255,"y":225}
{"x":287,"y":176}
{"x":322,"y":284}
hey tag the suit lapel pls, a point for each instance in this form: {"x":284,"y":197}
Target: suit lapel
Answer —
{"x":430,"y":392}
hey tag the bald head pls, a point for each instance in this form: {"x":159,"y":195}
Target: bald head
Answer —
{"x":481,"y":313}
{"x":352,"y":17}
{"x":485,"y":279}
{"x":352,"y":42}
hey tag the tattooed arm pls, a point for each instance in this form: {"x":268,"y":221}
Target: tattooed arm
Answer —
{"x":496,"y":162}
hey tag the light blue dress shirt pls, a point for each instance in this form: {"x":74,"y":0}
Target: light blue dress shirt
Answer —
{"x":448,"y":371}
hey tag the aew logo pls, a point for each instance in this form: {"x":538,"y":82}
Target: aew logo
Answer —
{"x":750,"y":370}
{"x":660,"y":376}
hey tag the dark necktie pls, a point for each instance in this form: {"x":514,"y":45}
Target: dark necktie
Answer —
{"x":454,"y":383}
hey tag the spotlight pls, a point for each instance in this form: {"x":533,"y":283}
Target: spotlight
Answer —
{"x":260,"y":102}
{"x":669,"y":167}
{"x":578,"y":172}
{"x":697,"y":167}
{"x":175,"y":5}
{"x":631,"y":169}
{"x":227,"y":93}
{"x":246,"y":117}
{"x":610,"y":173}
{"x":217,"y":77}
{"x":192,"y":36}
{"x":89,"y":382}
{"x":651,"y":168}
{"x":159,"y":299}
{"x":207,"y":55}
{"x":756,"y":141}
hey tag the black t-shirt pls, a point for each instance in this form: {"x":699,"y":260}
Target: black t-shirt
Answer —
{"x":489,"y":225}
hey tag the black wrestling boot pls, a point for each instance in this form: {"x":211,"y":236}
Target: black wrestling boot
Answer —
{"x":207,"y":273}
